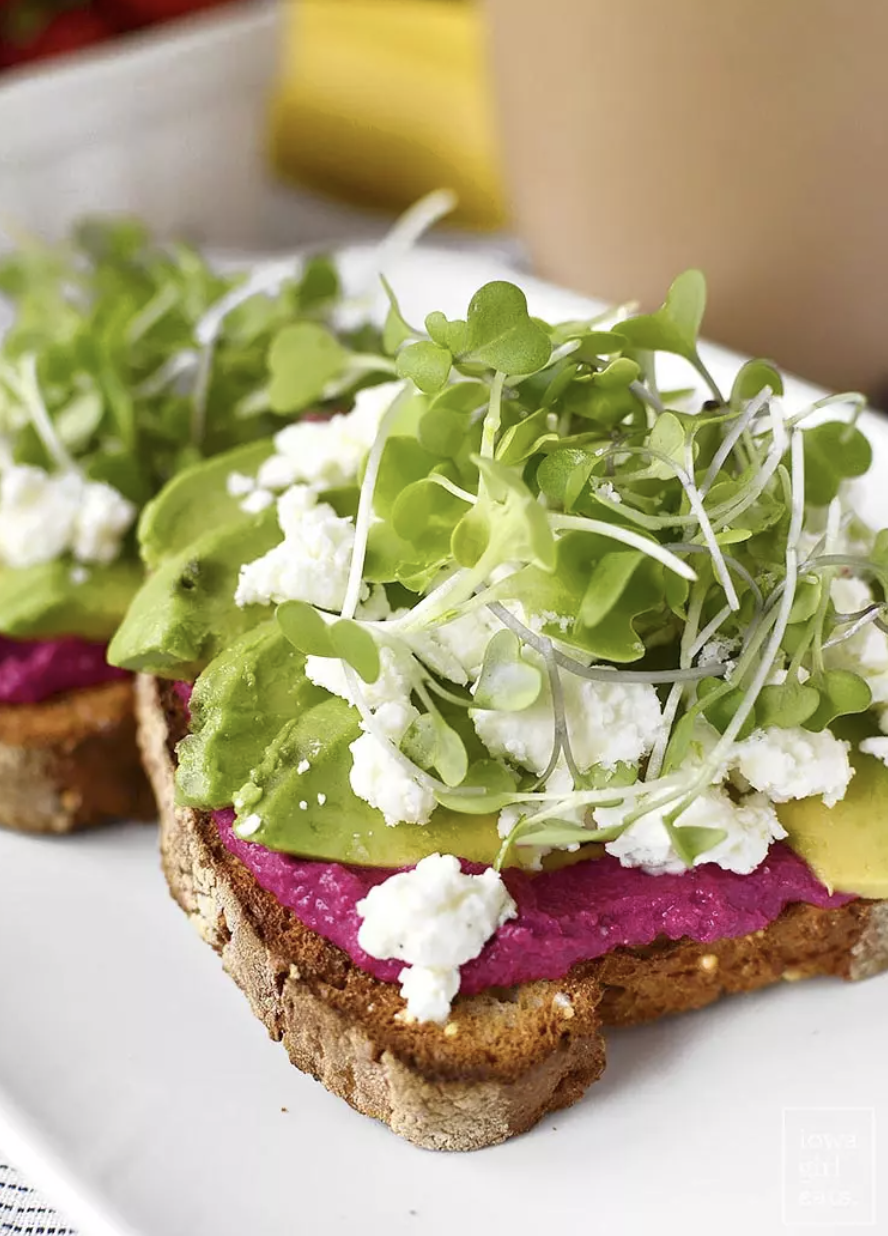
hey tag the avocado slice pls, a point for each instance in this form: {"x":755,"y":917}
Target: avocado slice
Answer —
{"x":45,"y":602}
{"x":184,"y":615}
{"x":239,"y":704}
{"x":846,"y":846}
{"x":195,"y":500}
{"x":315,"y":814}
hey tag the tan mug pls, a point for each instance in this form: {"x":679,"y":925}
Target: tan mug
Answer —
{"x":746,"y":137}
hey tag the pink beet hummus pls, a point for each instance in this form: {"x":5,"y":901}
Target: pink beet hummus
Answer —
{"x":574,"y":914}
{"x":34,"y":670}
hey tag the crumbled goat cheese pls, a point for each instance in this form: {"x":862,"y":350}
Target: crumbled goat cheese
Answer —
{"x":310,"y":564}
{"x":456,"y":649}
{"x":750,"y":826}
{"x":394,"y":683}
{"x":380,"y":779}
{"x":794,"y":763}
{"x":559,"y":782}
{"x":436,"y":919}
{"x":608,"y":723}
{"x":249,"y":825}
{"x":865,"y":653}
{"x":329,"y":453}
{"x":606,"y":490}
{"x":877,"y":747}
{"x":256,"y":501}
{"x":238,"y":484}
{"x":374,"y":607}
{"x":44,"y":515}
{"x":103,"y":517}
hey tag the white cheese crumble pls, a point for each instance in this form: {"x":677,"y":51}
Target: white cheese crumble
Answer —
{"x":249,"y":825}
{"x":608,"y":723}
{"x":456,"y":649}
{"x":436,"y":919}
{"x":794,"y":763}
{"x":257,"y":500}
{"x":380,"y":779}
{"x":865,"y":653}
{"x":238,"y":484}
{"x":327,"y":453}
{"x":877,"y":747}
{"x":310,"y":564}
{"x":44,"y":515}
{"x":751,"y":826}
{"x":393,"y":685}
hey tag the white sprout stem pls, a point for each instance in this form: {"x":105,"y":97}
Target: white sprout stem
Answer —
{"x":726,"y":514}
{"x":653,"y":549}
{"x":658,"y":753}
{"x":178,"y":363}
{"x":365,"y":506}
{"x":433,"y":606}
{"x":765,"y":666}
{"x":157,"y":307}
{"x":649,"y":397}
{"x":561,"y":743}
{"x":494,"y":415}
{"x":731,"y":438}
{"x":28,"y":390}
{"x":709,"y":630}
{"x":857,"y":401}
{"x":600,"y":673}
{"x":372,"y":726}
{"x":867,"y":616}
{"x":463,"y":494}
{"x":413,"y":224}
{"x":718,"y":560}
{"x":264,"y":278}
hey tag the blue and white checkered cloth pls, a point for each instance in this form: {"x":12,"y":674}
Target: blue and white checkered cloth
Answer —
{"x":24,"y":1211}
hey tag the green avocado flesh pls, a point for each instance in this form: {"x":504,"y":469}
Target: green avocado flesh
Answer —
{"x":45,"y":602}
{"x":195,"y":500}
{"x":184,"y":614}
{"x":256,"y":721}
{"x":846,"y":846}
{"x":238,"y":706}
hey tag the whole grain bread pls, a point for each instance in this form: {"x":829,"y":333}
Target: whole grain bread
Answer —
{"x":506,"y":1057}
{"x":72,"y":761}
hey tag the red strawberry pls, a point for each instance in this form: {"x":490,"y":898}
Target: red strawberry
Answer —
{"x":66,"y":32}
{"x":129,"y":14}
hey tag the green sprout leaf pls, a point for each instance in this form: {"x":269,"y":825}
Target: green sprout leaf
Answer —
{"x":496,"y":783}
{"x":304,"y":358}
{"x":751,"y":380}
{"x":355,"y":644}
{"x":509,"y":524}
{"x":426,"y":364}
{"x":786,"y":705}
{"x":676,"y":324}
{"x":395,"y":331}
{"x":690,"y":841}
{"x":306,"y":630}
{"x":607,"y":583}
{"x":508,"y":683}
{"x":834,"y":451}
{"x":841,"y":694}
{"x":501,"y":334}
{"x":525,"y":438}
{"x":450,"y":335}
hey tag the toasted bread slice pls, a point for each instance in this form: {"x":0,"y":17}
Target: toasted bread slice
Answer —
{"x":72,"y":761}
{"x":507,"y":1057}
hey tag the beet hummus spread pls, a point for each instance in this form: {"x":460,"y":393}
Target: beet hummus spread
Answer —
{"x":573,"y":914}
{"x":33,"y":670}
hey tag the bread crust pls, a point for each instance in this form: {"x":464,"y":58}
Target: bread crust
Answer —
{"x":72,"y":761}
{"x":508,"y":1057}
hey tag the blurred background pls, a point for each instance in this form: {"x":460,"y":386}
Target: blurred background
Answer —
{"x":608,"y":146}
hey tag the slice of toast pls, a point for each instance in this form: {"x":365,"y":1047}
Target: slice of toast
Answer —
{"x":72,"y":761}
{"x":507,"y":1057}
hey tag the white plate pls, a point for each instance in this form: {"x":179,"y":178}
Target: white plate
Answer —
{"x":137,"y":1087}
